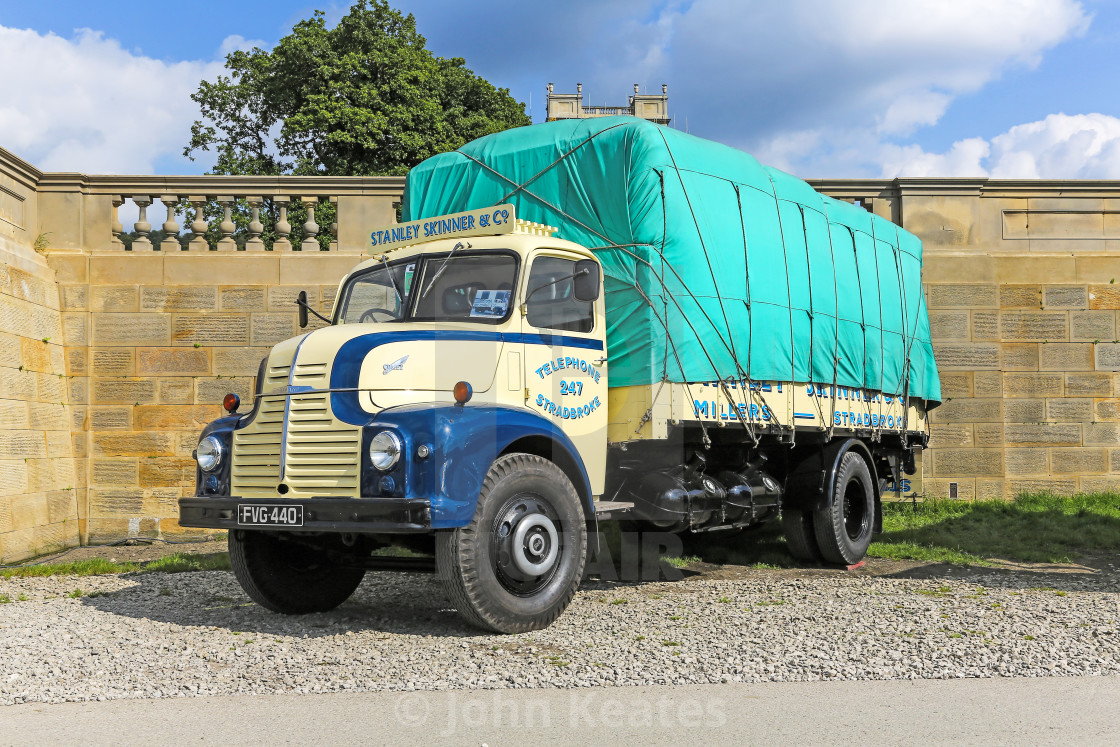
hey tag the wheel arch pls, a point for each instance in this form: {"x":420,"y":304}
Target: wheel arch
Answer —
{"x":807,"y":485}
{"x":548,"y":448}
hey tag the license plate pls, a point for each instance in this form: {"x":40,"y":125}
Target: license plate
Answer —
{"x":269,"y":515}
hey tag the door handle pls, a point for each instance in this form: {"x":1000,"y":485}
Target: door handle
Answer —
{"x":599,"y":361}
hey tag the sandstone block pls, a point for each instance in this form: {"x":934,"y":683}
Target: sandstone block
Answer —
{"x":950,"y":435}
{"x":29,"y":510}
{"x":1107,"y":356}
{"x":58,"y":444}
{"x":18,"y":385}
{"x":1104,"y":296}
{"x":1034,"y":326}
{"x":175,"y":361}
{"x":948,"y":325}
{"x":1089,"y":385}
{"x":238,"y":361}
{"x":48,"y":416}
{"x":967,"y":356}
{"x":1042,"y":434}
{"x":952,"y":296}
{"x":328,"y":293}
{"x":13,"y":415}
{"x":1038,"y":485}
{"x":112,"y":361}
{"x":114,"y":298}
{"x":1078,"y":461}
{"x":132,"y":444}
{"x":74,"y":328}
{"x":111,"y":418}
{"x":10,"y":352}
{"x":50,"y":387}
{"x":213,"y":391}
{"x":1019,"y":356}
{"x":119,"y":502}
{"x":988,"y":383}
{"x":1020,"y":296}
{"x":175,"y":417}
{"x":44,"y":475}
{"x":967,"y":462}
{"x":985,"y":325}
{"x":13,"y":480}
{"x":1105,"y":409}
{"x":1032,"y":384}
{"x":36,"y":355}
{"x":1030,"y":461}
{"x":1099,"y":484}
{"x":1066,"y":356}
{"x":937,"y":487}
{"x":1024,"y":411}
{"x":988,"y":489}
{"x":1070,"y":409}
{"x":245,"y":298}
{"x":22,"y":445}
{"x":178,"y":298}
{"x":76,"y":364}
{"x":283,"y":297}
{"x":123,"y":391}
{"x":1065,"y":297}
{"x":968,"y":410}
{"x":167,"y":472}
{"x":269,"y":329}
{"x":1092,"y":326}
{"x":162,"y":502}
{"x":988,"y":434}
{"x":211,"y":329}
{"x":176,"y":390}
{"x":73,"y":297}
{"x":152,"y":330}
{"x":1102,"y":434}
{"x":61,"y":506}
{"x":79,"y":391}
{"x":111,"y":473}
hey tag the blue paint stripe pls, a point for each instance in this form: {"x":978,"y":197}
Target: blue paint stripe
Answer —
{"x":807,"y":415}
{"x":348,"y":360}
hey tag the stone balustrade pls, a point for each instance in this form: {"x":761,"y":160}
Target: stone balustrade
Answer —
{"x":214,"y":213}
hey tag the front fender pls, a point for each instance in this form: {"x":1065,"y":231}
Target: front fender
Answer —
{"x":464,"y":442}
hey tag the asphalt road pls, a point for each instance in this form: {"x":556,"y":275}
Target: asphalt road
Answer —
{"x":1069,"y":711}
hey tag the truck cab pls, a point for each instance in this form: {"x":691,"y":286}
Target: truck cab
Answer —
{"x":457,"y":393}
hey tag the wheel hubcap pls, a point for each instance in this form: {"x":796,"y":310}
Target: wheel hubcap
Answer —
{"x":526,"y":545}
{"x":856,"y":517}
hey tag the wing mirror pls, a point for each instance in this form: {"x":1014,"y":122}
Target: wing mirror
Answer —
{"x":301,"y":299}
{"x":586,"y":280}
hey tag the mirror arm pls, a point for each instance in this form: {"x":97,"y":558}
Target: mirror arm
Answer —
{"x":304,"y":304}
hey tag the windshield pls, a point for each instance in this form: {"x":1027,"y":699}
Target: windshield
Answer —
{"x":380,"y":295}
{"x":462,"y":287}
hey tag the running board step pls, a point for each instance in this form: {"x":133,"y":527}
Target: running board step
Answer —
{"x":609,"y":509}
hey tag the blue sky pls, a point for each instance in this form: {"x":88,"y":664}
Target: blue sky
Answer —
{"x":861,"y":88}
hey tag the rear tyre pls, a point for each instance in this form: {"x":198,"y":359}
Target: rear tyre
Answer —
{"x":516,"y":566}
{"x":289,"y":577}
{"x":797,"y":526}
{"x":843,"y":528}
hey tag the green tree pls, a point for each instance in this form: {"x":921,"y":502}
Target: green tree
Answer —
{"x":363,"y":98}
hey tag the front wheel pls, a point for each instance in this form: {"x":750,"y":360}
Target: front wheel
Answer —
{"x":516,"y":566}
{"x":844,"y":527}
{"x":287,"y":576}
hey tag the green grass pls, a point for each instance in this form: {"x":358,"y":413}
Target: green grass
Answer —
{"x":1031,"y":528}
{"x":175,"y":563}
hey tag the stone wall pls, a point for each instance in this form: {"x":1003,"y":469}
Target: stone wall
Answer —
{"x":1022,"y":281}
{"x":40,"y":487}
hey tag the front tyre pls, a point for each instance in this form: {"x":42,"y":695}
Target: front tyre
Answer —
{"x":289,"y":577}
{"x":843,"y":528}
{"x":516,"y":566}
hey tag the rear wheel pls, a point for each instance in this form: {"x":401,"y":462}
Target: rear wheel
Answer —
{"x":289,"y":577}
{"x":797,"y":525}
{"x":843,"y":528}
{"x":516,"y":566}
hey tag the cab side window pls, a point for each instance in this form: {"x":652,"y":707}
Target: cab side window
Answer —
{"x":553,"y":305}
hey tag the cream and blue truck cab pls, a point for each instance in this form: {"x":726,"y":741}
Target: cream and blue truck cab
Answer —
{"x":457,"y":401}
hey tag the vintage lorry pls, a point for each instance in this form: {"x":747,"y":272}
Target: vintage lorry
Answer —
{"x":576,"y":322}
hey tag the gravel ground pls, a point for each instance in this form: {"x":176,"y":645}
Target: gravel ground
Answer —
{"x":166,"y":635}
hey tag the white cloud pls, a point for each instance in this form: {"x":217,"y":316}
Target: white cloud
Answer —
{"x":846,"y":77}
{"x":1062,"y":146}
{"x":87,"y":104}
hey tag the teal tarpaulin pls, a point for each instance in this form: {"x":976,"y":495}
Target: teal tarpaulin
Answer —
{"x":715,"y":266}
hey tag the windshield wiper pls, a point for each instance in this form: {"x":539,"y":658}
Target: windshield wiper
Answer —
{"x":446,"y":262}
{"x":392,"y":280}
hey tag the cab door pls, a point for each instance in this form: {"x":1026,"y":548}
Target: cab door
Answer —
{"x":566,"y":357}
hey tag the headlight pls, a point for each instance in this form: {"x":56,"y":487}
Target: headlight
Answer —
{"x":209,"y":453}
{"x":385,"y":450}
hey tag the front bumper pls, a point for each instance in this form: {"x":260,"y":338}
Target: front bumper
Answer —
{"x":352,"y":515}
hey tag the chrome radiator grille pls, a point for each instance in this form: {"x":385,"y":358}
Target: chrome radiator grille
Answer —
{"x":320,"y":454}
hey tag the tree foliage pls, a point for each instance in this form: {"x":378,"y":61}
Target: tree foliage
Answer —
{"x":363,"y":98}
